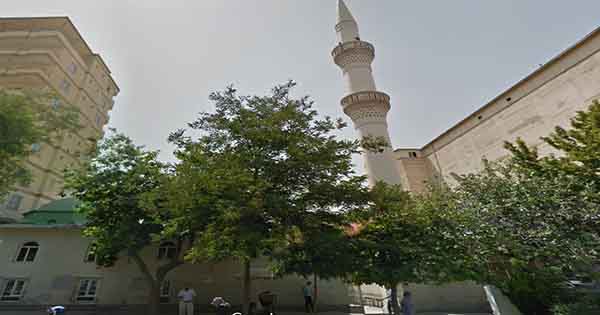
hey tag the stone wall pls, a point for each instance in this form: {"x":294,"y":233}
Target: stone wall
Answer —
{"x":54,"y":275}
{"x":529,"y":110}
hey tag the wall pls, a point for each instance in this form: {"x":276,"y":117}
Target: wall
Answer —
{"x":55,"y":273}
{"x":49,"y":54}
{"x":530,"y":110}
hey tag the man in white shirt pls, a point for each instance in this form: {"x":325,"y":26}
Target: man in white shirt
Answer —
{"x":56,"y":310}
{"x":186,"y":301}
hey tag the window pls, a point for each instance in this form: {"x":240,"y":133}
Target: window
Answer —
{"x":73,"y":68}
{"x":167,"y":250}
{"x":165,"y":291}
{"x":28,"y":252}
{"x":87,"y":289}
{"x":90,"y":255}
{"x":98,"y":120}
{"x":412,"y":154}
{"x":65,"y":85}
{"x":36,"y":147}
{"x":13,"y":290}
{"x":14,"y":202}
{"x":55,"y":103}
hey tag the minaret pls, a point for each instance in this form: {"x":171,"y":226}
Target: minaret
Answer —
{"x":366,"y":106}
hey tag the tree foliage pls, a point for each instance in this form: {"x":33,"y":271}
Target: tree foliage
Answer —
{"x":27,"y":119}
{"x":403,"y":237}
{"x":113,"y":188}
{"x":539,"y":217}
{"x":261,"y":172}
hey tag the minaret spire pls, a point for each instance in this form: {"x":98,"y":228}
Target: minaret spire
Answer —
{"x":346,"y":27}
{"x":344,"y":13}
{"x":366,"y":106}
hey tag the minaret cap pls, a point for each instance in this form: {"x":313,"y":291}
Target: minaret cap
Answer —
{"x":344,"y":13}
{"x":346,"y":27}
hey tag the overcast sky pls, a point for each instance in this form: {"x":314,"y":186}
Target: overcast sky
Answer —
{"x":439,"y":60}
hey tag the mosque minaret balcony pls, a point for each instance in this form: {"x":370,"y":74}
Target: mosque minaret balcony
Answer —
{"x":363,"y":103}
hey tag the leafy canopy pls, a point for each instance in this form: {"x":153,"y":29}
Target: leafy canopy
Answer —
{"x":409,"y":238}
{"x":263,"y":170}
{"x":112,"y":188}
{"x":539,"y":217}
{"x":27,"y":119}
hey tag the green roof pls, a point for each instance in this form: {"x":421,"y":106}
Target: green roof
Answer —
{"x":58,"y":212}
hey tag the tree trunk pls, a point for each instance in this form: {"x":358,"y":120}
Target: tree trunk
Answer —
{"x":154,"y":296}
{"x":316,"y":292}
{"x":394,"y":297}
{"x":154,"y":299}
{"x":246,"y":285}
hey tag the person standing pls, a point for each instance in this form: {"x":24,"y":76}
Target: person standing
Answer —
{"x":307,"y":290}
{"x":407,"y":306}
{"x":57,"y":310}
{"x":186,"y":301}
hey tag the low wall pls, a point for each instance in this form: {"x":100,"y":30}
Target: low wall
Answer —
{"x":499,"y":302}
{"x":165,"y":309}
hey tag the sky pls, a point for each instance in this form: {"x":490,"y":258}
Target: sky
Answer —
{"x":438,"y":60}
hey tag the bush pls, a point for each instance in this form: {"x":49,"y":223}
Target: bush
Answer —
{"x":588,"y":305}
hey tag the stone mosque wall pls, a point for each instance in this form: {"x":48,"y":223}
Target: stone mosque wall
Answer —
{"x":548,"y":97}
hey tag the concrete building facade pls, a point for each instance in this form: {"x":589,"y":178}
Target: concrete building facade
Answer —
{"x":48,"y":54}
{"x":45,"y":260}
{"x":529,"y":110}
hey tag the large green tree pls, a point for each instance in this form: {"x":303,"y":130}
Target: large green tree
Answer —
{"x":258,"y":170}
{"x":321,"y":250}
{"x":410,"y":238}
{"x":539,"y":217}
{"x":115,"y":189}
{"x":28,"y":119}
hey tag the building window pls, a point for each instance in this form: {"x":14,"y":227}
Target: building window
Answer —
{"x":55,"y":103}
{"x":87,"y":289}
{"x":28,"y":252}
{"x":36,"y":147}
{"x":165,"y":291}
{"x":13,"y":290}
{"x":412,"y":154}
{"x":73,"y":68}
{"x":167,"y":250}
{"x":98,"y":120}
{"x":14,"y":202}
{"x":90,"y":255}
{"x":65,"y":85}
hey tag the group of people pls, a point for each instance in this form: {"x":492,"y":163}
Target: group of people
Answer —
{"x":187,"y":295}
{"x":406,"y":305}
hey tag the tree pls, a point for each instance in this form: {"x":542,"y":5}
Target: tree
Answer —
{"x":322,"y":250}
{"x":258,"y":169}
{"x":113,"y":188}
{"x":27,"y":119}
{"x":409,"y":238}
{"x":528,"y":232}
{"x":539,"y":216}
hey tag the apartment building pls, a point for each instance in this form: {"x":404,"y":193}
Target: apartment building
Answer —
{"x":49,"y":53}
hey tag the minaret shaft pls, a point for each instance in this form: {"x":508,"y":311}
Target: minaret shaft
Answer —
{"x":366,"y":106}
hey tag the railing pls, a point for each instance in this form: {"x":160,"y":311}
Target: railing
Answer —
{"x":357,"y":44}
